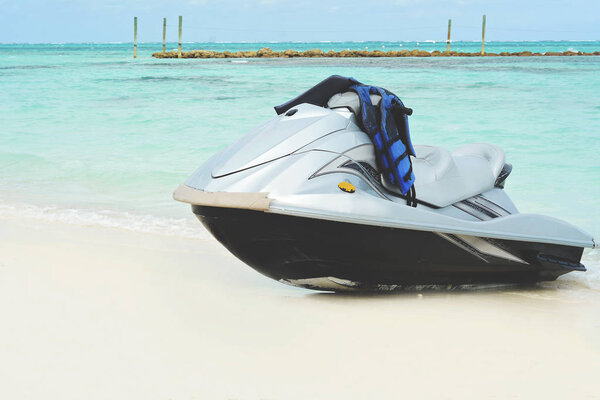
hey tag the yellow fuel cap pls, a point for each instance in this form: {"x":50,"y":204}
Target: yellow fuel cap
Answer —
{"x":347,"y":187}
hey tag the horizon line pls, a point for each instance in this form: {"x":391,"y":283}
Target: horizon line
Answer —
{"x":427,"y":41}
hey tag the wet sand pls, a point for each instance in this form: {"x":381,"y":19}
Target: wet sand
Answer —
{"x":98,"y":313}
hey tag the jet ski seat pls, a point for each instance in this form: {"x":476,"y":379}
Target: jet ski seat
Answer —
{"x":442,"y":178}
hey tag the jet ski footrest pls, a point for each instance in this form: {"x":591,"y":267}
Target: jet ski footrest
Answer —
{"x":552,"y":261}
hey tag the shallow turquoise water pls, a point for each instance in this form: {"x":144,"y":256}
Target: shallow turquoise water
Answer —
{"x":87,"y":134}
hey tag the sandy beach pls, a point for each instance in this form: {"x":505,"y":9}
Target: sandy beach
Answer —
{"x":98,"y":313}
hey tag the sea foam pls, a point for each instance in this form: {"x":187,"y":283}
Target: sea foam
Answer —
{"x":187,"y":228}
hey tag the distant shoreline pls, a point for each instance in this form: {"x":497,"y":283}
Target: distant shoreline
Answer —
{"x":266,"y":52}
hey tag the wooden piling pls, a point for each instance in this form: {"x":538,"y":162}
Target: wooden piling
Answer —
{"x":483,"y":36}
{"x":164,"y":35}
{"x":134,"y":37}
{"x":179,"y":48}
{"x":449,"y":29}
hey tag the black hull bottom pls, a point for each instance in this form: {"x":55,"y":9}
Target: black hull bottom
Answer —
{"x":322,"y":254}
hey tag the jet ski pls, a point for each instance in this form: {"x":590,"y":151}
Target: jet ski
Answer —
{"x":303,"y":199}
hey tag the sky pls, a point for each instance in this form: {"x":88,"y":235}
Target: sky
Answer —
{"x":64,"y":21}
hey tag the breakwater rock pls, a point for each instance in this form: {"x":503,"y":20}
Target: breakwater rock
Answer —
{"x":316,"y":53}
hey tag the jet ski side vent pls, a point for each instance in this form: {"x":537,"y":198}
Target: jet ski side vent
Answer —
{"x":481,"y":208}
{"x":365,"y":167}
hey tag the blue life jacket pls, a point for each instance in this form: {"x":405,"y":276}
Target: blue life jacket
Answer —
{"x":386,"y":125}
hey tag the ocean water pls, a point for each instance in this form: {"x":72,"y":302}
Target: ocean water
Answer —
{"x":89,"y":135}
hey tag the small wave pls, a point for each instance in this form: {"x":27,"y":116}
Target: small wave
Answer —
{"x":213,"y":80}
{"x":589,"y":279}
{"x":221,"y":98}
{"x":176,"y":227}
{"x":29,"y":67}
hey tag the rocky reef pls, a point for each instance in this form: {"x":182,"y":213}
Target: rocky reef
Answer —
{"x":316,"y":53}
